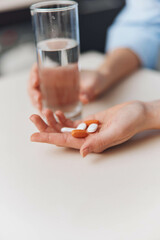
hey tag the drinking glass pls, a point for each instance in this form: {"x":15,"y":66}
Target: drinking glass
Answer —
{"x":56,"y":29}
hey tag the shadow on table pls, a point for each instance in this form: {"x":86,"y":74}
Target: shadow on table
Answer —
{"x":138,"y":141}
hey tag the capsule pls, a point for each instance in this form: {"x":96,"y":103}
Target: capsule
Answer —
{"x":66,"y":129}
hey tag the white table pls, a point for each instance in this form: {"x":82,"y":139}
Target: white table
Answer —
{"x":52,"y":193}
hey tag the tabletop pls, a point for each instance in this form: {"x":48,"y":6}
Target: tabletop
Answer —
{"x":50,"y":193}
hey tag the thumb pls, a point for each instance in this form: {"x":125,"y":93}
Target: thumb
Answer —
{"x":93,"y":144}
{"x":83,"y":98}
{"x":99,"y":142}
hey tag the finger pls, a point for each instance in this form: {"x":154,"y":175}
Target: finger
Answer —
{"x":34,"y":78}
{"x":83,"y":98}
{"x":36,"y":98}
{"x":59,"y":139}
{"x":51,"y":120}
{"x":89,"y":146}
{"x":34,"y":67}
{"x":87,"y":95}
{"x":65,"y":121}
{"x":33,"y":88}
{"x":39,"y":123}
{"x":97,"y":143}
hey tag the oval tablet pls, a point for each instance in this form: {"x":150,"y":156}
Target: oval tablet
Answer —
{"x":82,"y":126}
{"x":92,"y":128}
{"x":88,"y":122}
{"x":65,"y":129}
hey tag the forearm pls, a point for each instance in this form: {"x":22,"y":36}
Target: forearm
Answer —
{"x":153,"y":114}
{"x":117,"y":65}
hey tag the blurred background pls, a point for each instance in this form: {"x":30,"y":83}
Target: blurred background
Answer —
{"x":17,"y":50}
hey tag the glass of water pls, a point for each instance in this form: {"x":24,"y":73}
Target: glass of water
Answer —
{"x":56,"y":30}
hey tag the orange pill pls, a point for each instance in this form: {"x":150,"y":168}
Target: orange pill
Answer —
{"x":79,"y":133}
{"x":88,"y":122}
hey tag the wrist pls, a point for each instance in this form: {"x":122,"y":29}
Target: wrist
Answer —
{"x":104,"y":74}
{"x":153,"y":114}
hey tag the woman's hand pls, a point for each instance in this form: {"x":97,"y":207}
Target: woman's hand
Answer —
{"x":117,"y":125}
{"x":92,"y":84}
{"x":34,"y":89}
{"x":116,"y":65}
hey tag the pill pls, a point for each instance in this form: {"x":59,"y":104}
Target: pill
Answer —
{"x":92,"y":128}
{"x":82,"y":126}
{"x":79,"y":133}
{"x":88,"y":122}
{"x":65,"y":129}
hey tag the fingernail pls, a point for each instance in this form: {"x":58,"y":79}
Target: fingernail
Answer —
{"x":31,"y":138}
{"x":31,"y":117}
{"x":84,"y":98}
{"x":85,"y":152}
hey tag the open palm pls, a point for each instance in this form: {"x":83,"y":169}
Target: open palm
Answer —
{"x":117,"y":125}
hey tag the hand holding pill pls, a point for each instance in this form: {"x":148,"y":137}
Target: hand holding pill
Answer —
{"x":95,"y":133}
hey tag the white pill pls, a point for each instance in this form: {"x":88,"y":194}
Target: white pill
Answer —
{"x":92,"y":128}
{"x":82,"y":126}
{"x":65,"y":129}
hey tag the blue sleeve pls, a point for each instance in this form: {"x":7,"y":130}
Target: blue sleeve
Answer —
{"x":138,"y":28}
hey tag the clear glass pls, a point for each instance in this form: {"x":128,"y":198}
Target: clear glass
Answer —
{"x":56,"y":30}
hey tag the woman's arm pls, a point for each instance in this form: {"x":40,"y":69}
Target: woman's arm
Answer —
{"x":117,"y":125}
{"x":137,"y":28}
{"x":153,"y":114}
{"x":117,"y":65}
